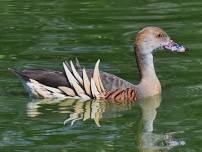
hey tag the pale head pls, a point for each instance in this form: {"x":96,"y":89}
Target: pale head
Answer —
{"x":152,"y":38}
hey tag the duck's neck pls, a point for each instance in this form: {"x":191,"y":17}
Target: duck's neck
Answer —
{"x":149,"y":84}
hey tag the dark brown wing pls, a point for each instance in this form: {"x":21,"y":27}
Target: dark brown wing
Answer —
{"x":57,"y":78}
{"x":47,"y":77}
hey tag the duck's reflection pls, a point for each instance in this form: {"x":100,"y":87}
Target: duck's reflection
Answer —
{"x":94,"y":110}
{"x":82,"y":110}
{"x":149,"y":141}
{"x":149,"y":110}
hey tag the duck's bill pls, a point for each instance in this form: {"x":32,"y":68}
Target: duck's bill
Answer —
{"x":174,"y":47}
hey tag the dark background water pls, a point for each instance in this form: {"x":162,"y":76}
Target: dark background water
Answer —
{"x":45,"y":33}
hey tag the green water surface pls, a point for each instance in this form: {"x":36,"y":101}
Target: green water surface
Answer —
{"x":44,"y":33}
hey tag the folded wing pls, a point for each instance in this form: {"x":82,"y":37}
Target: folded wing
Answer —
{"x":75,"y":82}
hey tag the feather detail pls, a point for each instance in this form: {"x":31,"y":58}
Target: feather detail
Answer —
{"x":78,"y":66}
{"x":67,"y":90}
{"x":69,"y":75}
{"x":39,"y":89}
{"x":68,"y":66}
{"x":84,"y":87}
{"x":46,"y":91}
{"x":77,"y":76}
{"x":86,"y":82}
{"x":96,"y":77}
{"x":74,"y":83}
{"x":52,"y":89}
{"x":94,"y":90}
{"x":84,"y":96}
{"x":58,"y":95}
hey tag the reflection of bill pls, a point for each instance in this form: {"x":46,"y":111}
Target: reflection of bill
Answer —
{"x":150,"y":142}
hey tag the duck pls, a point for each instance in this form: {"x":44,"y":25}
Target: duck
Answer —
{"x":79,"y":83}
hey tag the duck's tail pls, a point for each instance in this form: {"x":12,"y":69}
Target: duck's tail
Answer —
{"x":18,"y":73}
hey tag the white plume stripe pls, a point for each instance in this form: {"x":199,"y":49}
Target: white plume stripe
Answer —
{"x":46,"y":91}
{"x":59,"y":95}
{"x":94,"y":90}
{"x":68,"y":66}
{"x":54,"y":90}
{"x":77,"y":76}
{"x":40,"y":89}
{"x":43,"y":93}
{"x":82,"y":86}
{"x":96,"y":75}
{"x":86,"y":82}
{"x":69,"y":75}
{"x":67,"y":90}
{"x":84,"y":96}
{"x":74,"y":82}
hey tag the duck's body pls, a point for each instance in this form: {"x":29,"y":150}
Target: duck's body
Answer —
{"x":76,"y":82}
{"x":43,"y":83}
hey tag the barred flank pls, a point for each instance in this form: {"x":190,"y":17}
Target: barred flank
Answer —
{"x":121,"y":94}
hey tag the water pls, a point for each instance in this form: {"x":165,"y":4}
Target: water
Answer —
{"x":45,"y":33}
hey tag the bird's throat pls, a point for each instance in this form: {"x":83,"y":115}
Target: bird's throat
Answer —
{"x":149,"y":84}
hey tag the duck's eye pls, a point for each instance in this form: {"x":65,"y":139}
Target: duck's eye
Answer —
{"x":160,"y":35}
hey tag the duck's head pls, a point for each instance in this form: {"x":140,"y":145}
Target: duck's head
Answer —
{"x":152,"y":38}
